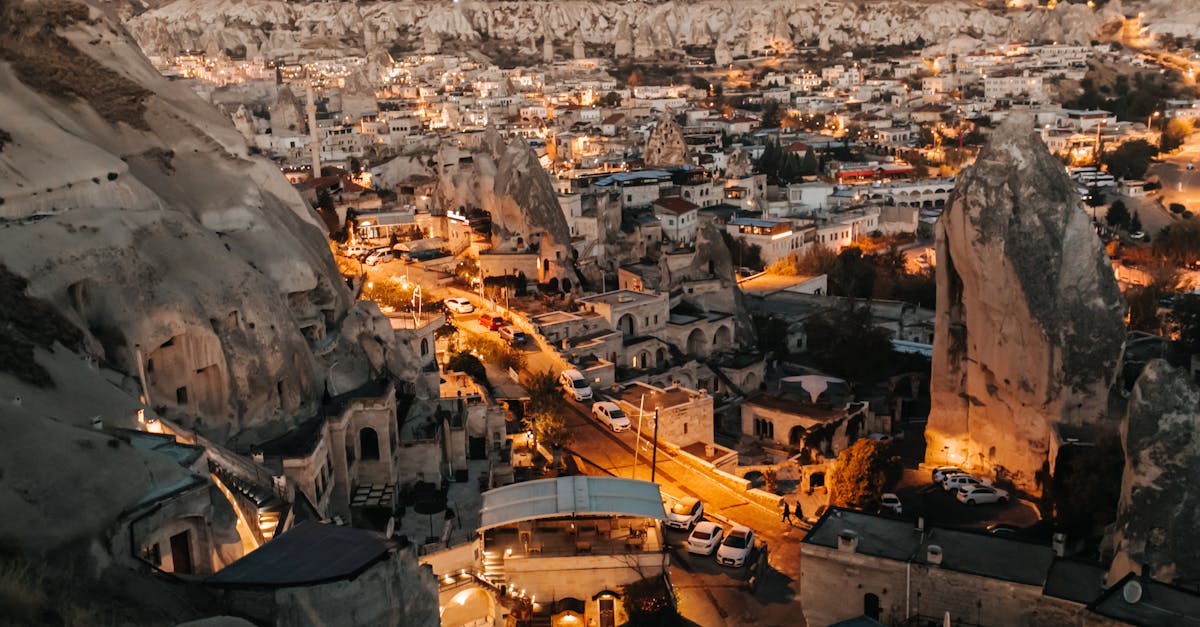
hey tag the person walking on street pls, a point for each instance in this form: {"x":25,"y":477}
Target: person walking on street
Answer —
{"x":787,"y":513}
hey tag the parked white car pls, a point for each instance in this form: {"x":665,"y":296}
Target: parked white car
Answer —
{"x":459,"y":305}
{"x":736,"y":547}
{"x":980,"y":494}
{"x":611,"y":415}
{"x":941,"y":472}
{"x":576,"y":386}
{"x":685,"y":513}
{"x":705,"y":538}
{"x":380,"y":256}
{"x":963,"y":480}
{"x":891,"y":503}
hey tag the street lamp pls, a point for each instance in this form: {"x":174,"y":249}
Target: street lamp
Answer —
{"x":1150,"y":119}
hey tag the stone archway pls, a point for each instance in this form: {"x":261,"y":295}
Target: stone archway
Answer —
{"x":469,"y":607}
{"x":660,"y":357}
{"x":697,"y":343}
{"x":627,"y":324}
{"x":723,"y":338}
{"x":750,"y":382}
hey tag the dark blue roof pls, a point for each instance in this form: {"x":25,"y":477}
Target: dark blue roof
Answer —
{"x":310,"y":553}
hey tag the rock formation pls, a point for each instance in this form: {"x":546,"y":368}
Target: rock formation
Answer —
{"x":507,"y":181}
{"x":1029,"y":330}
{"x":300,"y":30}
{"x":1159,"y":510}
{"x":137,"y":212}
{"x":287,"y":117}
{"x":738,"y":165}
{"x":665,"y":146}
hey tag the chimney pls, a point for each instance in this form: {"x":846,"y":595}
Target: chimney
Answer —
{"x":98,"y":423}
{"x":921,"y":524}
{"x":933,"y":555}
{"x":1059,"y":543}
{"x":847,"y":541}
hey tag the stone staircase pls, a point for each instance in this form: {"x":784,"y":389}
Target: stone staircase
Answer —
{"x":493,"y":567}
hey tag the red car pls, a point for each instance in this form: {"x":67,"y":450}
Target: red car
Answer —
{"x":491,"y":322}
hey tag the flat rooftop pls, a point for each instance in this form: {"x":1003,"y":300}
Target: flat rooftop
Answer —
{"x":655,"y":398}
{"x":765,"y":283}
{"x":620,"y":297}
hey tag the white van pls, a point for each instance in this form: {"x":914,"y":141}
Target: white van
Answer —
{"x":575,"y":385}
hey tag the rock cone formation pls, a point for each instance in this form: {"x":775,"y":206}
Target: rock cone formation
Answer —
{"x":665,"y":146}
{"x":1029,"y":330}
{"x":1159,"y":510}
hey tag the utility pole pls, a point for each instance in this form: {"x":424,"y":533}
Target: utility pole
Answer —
{"x":654,"y":453}
{"x":637,"y":443}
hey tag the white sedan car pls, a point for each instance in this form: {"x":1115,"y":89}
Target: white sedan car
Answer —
{"x":963,"y":480}
{"x":891,"y":503}
{"x":685,"y":513}
{"x":459,"y":305}
{"x":608,"y":413}
{"x":736,"y":547}
{"x":941,"y":472}
{"x":705,"y":538}
{"x":976,"y":495}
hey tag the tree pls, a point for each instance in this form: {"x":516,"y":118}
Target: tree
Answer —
{"x":550,"y":429}
{"x":844,"y":341}
{"x":544,"y":395}
{"x":808,"y":166}
{"x":1186,"y":313}
{"x":861,"y":474}
{"x":610,"y":100}
{"x":1174,"y":134}
{"x":1179,"y":243}
{"x":1088,"y":486}
{"x":1130,"y":160}
{"x":1118,"y":215}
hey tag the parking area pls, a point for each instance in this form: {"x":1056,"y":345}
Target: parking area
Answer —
{"x":921,"y":497}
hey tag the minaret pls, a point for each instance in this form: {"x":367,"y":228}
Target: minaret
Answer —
{"x":313,"y":143}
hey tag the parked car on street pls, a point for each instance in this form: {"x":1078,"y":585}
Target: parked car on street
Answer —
{"x":891,"y":503}
{"x":459,"y":305}
{"x":608,"y":413}
{"x":512,"y":335}
{"x":736,"y":547}
{"x":382,"y":255}
{"x":491,"y":321}
{"x":941,"y":472}
{"x":685,"y":513}
{"x":981,"y":494}
{"x":963,"y":480}
{"x":357,"y":251}
{"x":705,"y":538}
{"x":575,"y":385}
{"x":1004,"y":531}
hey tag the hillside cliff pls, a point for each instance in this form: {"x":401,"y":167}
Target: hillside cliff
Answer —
{"x":137,"y":214}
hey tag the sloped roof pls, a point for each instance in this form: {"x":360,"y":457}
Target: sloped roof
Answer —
{"x":307,"y":554}
{"x":570,"y":496}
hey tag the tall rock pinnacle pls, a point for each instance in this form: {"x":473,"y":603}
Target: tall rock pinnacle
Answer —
{"x":1030,"y":329}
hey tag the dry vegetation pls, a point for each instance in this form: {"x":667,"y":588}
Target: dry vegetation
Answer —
{"x":52,"y":65}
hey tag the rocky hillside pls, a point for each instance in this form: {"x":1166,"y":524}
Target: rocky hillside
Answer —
{"x":277,"y":29}
{"x":1159,"y":511}
{"x":1029,"y":330}
{"x":137,"y":215}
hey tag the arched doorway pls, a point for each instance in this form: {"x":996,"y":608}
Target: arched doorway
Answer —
{"x":660,"y":357}
{"x":871,"y":606}
{"x":796,"y":435}
{"x":368,"y":444}
{"x":723,"y":338}
{"x":697,"y":344}
{"x":626,"y":324}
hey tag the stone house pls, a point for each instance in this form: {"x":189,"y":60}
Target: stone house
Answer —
{"x":900,"y":573}
{"x":685,"y":416}
{"x":678,"y":217}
